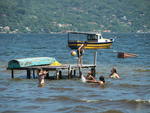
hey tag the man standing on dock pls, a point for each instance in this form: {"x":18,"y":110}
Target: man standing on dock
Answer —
{"x":80,"y":52}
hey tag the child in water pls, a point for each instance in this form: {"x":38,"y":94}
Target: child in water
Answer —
{"x":114,"y":73}
{"x":101,"y":80}
{"x":41,"y":75}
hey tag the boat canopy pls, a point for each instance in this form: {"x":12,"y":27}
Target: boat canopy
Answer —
{"x":85,"y":33}
{"x":91,"y":36}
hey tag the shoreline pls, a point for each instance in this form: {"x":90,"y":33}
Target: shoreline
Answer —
{"x":89,"y":31}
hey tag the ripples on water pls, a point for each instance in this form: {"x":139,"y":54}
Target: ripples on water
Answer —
{"x":130,"y":94}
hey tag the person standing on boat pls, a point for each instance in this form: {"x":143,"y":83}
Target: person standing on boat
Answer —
{"x":114,"y":74}
{"x":41,"y":75}
{"x":80,"y":52}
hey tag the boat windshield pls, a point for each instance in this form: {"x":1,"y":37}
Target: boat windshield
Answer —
{"x":92,"y":37}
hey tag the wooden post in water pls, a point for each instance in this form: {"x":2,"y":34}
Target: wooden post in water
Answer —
{"x":80,"y":73}
{"x":12,"y":73}
{"x":93,"y":70}
{"x":58,"y":74}
{"x":74,"y":72}
{"x":28,"y":74}
{"x":69,"y":72}
{"x":95,"y":58}
{"x":34,"y":74}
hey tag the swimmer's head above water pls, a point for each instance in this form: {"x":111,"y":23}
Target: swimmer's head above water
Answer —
{"x":101,"y":78}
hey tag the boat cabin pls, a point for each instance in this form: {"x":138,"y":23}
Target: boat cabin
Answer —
{"x":94,"y":37}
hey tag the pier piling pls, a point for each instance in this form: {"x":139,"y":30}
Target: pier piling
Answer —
{"x":28,"y":74}
{"x":12,"y":73}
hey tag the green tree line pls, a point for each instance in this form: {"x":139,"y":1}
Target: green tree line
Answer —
{"x":46,"y":16}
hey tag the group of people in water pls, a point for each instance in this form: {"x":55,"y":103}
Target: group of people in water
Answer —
{"x":89,"y":78}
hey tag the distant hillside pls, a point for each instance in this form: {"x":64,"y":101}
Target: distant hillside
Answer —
{"x":45,"y":16}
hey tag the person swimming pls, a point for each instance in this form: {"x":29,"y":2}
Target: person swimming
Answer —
{"x":41,"y":75}
{"x":101,"y":80}
{"x":89,"y":76}
{"x":114,"y":73}
{"x":90,"y":79}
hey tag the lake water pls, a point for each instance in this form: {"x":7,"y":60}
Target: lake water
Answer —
{"x":130,"y":94}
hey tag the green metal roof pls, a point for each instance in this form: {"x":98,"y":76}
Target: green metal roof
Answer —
{"x":35,"y":61}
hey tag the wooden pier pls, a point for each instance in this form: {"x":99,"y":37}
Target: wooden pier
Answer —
{"x":70,"y":68}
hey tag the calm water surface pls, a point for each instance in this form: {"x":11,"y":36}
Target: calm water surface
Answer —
{"x":130,"y":94}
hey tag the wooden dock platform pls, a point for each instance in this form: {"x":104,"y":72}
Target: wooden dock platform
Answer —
{"x":20,"y":64}
{"x":70,"y":68}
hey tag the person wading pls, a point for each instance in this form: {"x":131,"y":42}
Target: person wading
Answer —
{"x":41,"y":75}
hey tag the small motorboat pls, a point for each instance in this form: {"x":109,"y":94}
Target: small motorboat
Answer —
{"x":93,"y":40}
